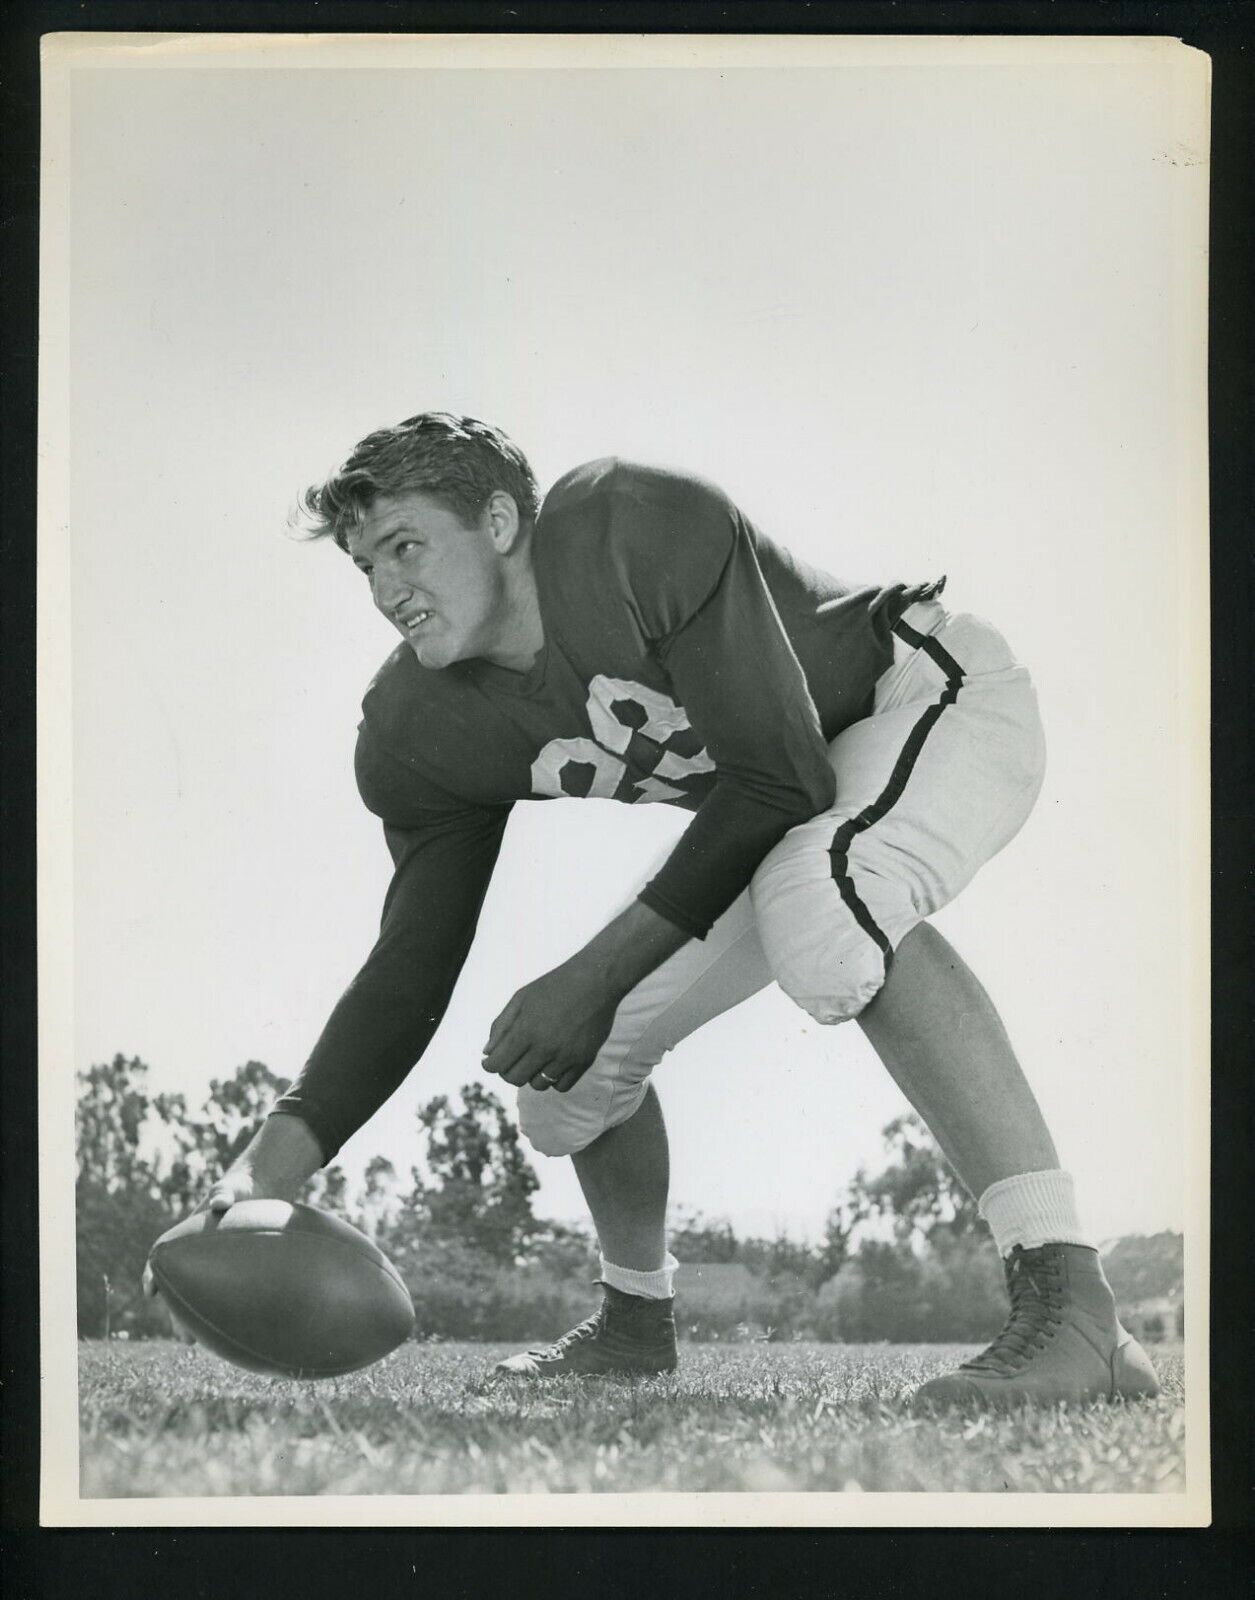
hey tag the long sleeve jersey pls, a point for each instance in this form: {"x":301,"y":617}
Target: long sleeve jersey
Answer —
{"x":687,"y":660}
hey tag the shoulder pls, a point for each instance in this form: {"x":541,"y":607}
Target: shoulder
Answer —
{"x":661,"y":535}
{"x":404,"y":700}
{"x":401,"y":709}
{"x":628,"y":491}
{"x":397,"y":684}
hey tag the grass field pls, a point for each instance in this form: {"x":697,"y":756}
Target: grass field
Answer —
{"x":168,"y":1419}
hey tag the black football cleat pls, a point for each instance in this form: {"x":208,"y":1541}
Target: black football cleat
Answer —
{"x":1062,"y":1342}
{"x":630,"y":1336}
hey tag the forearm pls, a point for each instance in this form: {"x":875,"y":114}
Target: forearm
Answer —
{"x":281,"y":1157}
{"x":720,"y":851}
{"x":628,"y":949}
{"x":552,"y":1028}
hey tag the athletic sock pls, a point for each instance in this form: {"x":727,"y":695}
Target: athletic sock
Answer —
{"x":648,"y":1285}
{"x":1032,"y":1209}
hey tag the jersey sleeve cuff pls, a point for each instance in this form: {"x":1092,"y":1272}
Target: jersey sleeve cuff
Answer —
{"x":695,"y":927}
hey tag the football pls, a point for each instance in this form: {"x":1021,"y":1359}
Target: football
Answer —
{"x":283,"y":1289}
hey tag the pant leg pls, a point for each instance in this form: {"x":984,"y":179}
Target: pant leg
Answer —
{"x":930,"y":786}
{"x":703,"y":979}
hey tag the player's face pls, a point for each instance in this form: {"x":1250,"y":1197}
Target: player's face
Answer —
{"x":440,"y":583}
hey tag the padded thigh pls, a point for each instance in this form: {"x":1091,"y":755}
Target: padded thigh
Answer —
{"x":929,"y":787}
{"x":819,"y":952}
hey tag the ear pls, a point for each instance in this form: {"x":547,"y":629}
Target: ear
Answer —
{"x":502,"y":515}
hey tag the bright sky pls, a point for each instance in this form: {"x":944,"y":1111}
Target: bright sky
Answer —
{"x":914,"y":320}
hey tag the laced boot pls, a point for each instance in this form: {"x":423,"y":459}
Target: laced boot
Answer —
{"x":1062,"y":1341}
{"x":629,"y":1334}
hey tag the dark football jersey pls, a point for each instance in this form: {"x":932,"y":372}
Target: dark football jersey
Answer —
{"x":687,"y":660}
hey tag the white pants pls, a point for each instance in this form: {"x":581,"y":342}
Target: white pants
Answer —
{"x":930,"y":786}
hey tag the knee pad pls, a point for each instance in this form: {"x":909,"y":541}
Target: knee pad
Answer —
{"x":564,"y":1124}
{"x":545,"y":1124}
{"x":832,"y":974}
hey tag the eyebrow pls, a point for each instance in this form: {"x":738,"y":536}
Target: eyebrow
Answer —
{"x":381,"y":539}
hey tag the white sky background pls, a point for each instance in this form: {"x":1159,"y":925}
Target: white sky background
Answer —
{"x":915,"y":320}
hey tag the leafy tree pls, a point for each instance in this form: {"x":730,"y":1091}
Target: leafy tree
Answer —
{"x":238,"y":1105}
{"x":789,"y":1270}
{"x":918,"y":1190}
{"x":950,"y":1291}
{"x":562,"y":1251}
{"x":696,"y":1238}
{"x":328,"y":1188}
{"x":113,"y":1235}
{"x":110,"y":1116}
{"x":1146,"y":1267}
{"x":782,"y":1261}
{"x":207,"y":1144}
{"x":143,"y":1161}
{"x":939,"y":1277}
{"x":964,"y":1284}
{"x":834,"y":1248}
{"x":877,"y":1295}
{"x":379,"y":1202}
{"x":119,"y":1206}
{"x":479,"y":1184}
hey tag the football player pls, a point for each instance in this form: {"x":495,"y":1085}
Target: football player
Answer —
{"x":851,"y":756}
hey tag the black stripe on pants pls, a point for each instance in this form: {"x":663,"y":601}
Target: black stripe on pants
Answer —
{"x":839,"y":852}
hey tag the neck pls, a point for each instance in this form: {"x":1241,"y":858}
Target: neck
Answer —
{"x":523,"y":636}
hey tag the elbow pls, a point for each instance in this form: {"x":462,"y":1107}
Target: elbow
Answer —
{"x":820,"y":791}
{"x":807,"y":794}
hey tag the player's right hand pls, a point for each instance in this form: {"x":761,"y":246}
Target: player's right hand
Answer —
{"x":281,"y":1156}
{"x":234,"y":1185}
{"x":238,"y":1183}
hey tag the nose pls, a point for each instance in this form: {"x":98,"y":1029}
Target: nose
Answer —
{"x":389,"y":590}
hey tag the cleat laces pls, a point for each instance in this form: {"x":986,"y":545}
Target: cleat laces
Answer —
{"x":1036,"y":1291}
{"x":622,"y":1337}
{"x":588,"y":1329}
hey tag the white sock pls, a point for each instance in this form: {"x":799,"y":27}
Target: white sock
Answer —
{"x":649,"y":1285}
{"x":1032,"y":1209}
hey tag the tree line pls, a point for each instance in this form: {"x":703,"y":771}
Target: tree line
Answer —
{"x":904,"y":1256}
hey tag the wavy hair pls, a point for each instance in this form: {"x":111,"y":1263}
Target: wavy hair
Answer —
{"x":458,"y":461}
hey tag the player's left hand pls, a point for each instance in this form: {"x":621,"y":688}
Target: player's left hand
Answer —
{"x":550,"y":1032}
